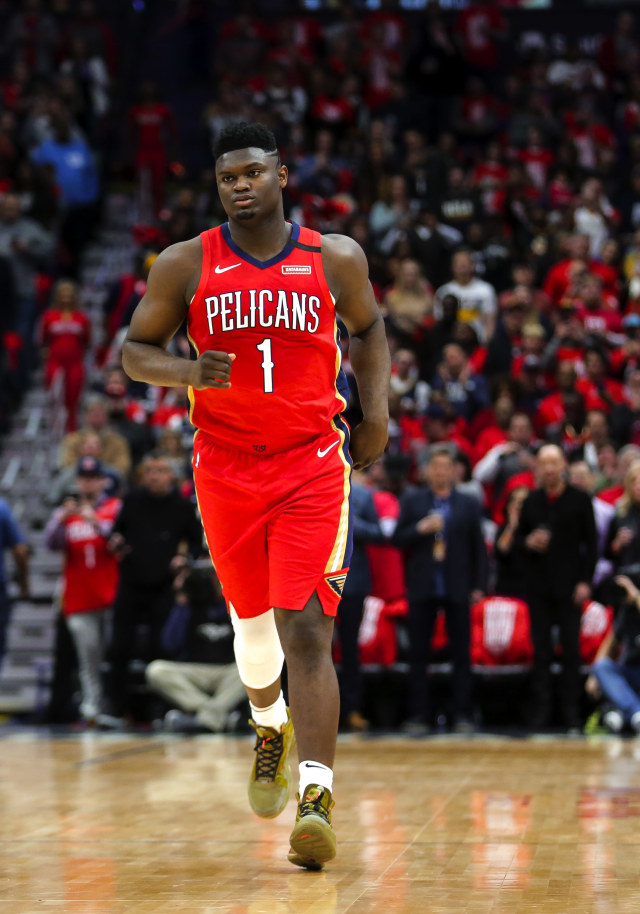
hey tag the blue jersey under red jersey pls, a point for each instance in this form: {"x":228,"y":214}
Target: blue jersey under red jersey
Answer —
{"x":278,"y":317}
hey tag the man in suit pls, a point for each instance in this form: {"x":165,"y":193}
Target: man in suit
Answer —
{"x":557,"y":532}
{"x":446,"y":565}
{"x":366,"y":529}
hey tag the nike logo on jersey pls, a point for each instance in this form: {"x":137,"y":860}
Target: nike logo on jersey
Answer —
{"x":327,"y":449}
{"x":220,"y":269}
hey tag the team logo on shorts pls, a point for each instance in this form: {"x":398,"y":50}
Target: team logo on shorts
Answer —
{"x":295,"y":268}
{"x":336,"y":581}
{"x":260,"y":448}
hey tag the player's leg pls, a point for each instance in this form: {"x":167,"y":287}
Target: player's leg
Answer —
{"x":306,"y":640}
{"x":259,"y":657}
{"x":315,"y":705}
{"x":234,"y":520}
{"x":310,"y":542}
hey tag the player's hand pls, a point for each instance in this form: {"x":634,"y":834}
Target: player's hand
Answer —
{"x":368,"y":441}
{"x":212,"y":369}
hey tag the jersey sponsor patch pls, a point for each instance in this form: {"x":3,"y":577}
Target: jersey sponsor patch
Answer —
{"x":296,"y":268}
{"x":336,"y":581}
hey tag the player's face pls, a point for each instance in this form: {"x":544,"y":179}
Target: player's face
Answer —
{"x":250,"y":183}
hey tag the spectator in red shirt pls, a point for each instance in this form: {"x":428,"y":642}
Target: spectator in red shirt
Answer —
{"x":593,"y":141}
{"x":379,"y":66}
{"x":81,"y":528}
{"x":389,"y":477}
{"x":491,"y":171}
{"x":566,"y":402}
{"x":478,"y":29}
{"x":328,"y":108}
{"x":599,"y":314}
{"x":536,"y":158}
{"x":66,"y":337}
{"x":559,"y":277}
{"x":153,"y":129}
{"x":476,"y":114}
{"x":598,"y":390}
{"x":395,"y":32}
{"x":522,"y":274}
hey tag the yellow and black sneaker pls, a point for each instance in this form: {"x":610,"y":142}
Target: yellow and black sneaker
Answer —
{"x":270,"y":782}
{"x":313,"y":841}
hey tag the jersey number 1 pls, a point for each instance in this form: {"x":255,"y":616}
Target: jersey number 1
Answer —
{"x":267,"y":364}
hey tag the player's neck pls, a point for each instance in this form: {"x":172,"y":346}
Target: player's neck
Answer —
{"x":262,"y":240}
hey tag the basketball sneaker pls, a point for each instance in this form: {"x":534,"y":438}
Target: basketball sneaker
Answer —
{"x":270,"y":781}
{"x":313,"y":841}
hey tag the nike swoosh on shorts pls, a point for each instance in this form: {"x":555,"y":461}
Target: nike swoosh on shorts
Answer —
{"x":327,"y":449}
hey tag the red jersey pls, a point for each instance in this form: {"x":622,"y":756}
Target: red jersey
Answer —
{"x":474,"y":26}
{"x":385,"y":561}
{"x":278,"y":317}
{"x":90,"y":570}
{"x":150,"y":121}
{"x":602,"y":321}
{"x":500,"y":632}
{"x":66,"y":334}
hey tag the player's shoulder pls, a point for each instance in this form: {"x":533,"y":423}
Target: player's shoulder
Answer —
{"x":178,"y":263}
{"x":341,"y":247}
{"x":342,"y":258}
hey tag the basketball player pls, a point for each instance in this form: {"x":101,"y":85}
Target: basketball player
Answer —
{"x":272,"y":455}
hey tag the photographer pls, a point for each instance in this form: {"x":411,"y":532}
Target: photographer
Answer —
{"x":201,"y":680}
{"x":154,"y":532}
{"x":81,"y":528}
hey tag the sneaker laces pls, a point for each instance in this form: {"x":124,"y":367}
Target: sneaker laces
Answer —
{"x":269,"y":750}
{"x":314,"y":804}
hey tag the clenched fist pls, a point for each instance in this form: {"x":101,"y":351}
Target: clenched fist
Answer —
{"x":211,"y":369}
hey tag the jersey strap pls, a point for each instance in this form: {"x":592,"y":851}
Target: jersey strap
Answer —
{"x":311,"y":241}
{"x":206,"y":240}
{"x":308,"y":240}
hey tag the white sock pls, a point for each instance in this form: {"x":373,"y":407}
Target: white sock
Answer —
{"x":274,"y":716}
{"x":315,"y":773}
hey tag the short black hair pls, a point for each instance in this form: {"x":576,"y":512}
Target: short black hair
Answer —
{"x":242,"y":135}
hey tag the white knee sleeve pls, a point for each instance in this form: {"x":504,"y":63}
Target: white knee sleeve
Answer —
{"x":258,"y":651}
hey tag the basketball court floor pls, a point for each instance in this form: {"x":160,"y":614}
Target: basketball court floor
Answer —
{"x":104,"y":824}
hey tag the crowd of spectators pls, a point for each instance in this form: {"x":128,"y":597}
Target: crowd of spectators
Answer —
{"x":494,"y":184}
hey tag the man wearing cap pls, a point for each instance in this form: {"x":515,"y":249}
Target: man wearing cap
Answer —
{"x":81,"y":528}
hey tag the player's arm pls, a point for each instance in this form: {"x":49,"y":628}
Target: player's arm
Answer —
{"x":347,"y":273}
{"x":161,"y":312}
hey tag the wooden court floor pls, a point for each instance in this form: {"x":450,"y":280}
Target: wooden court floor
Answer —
{"x":104,"y":824}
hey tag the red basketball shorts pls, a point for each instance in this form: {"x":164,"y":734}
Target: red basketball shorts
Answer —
{"x":277,"y":527}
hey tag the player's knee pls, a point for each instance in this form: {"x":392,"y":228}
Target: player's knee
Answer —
{"x":258,"y":651}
